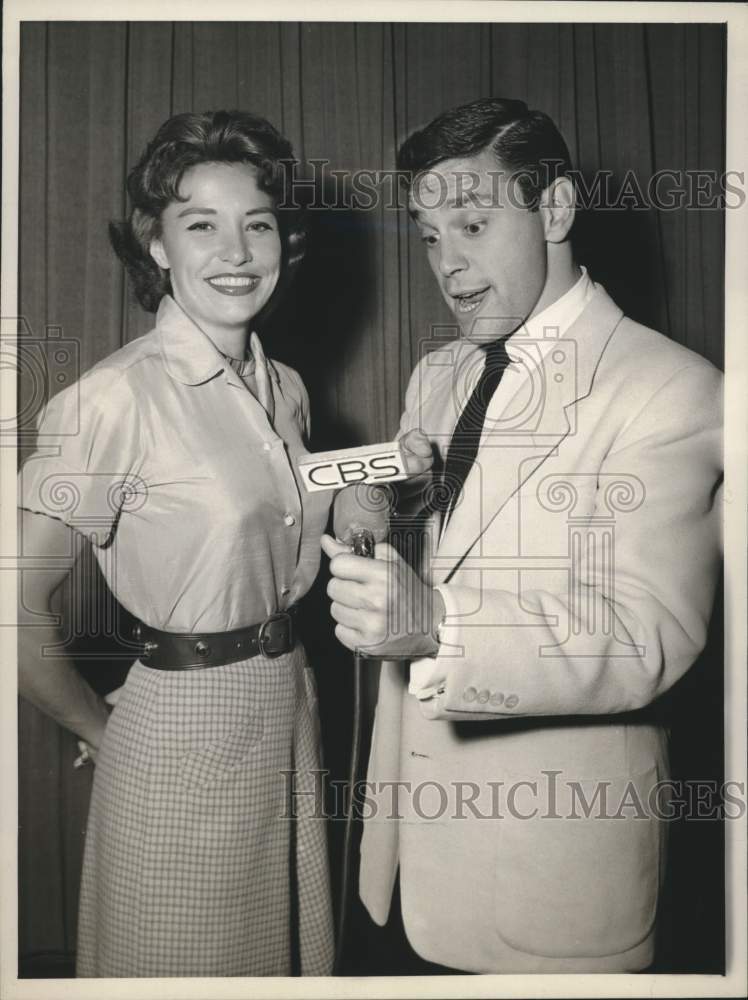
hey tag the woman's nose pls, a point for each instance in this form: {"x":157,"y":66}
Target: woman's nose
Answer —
{"x":236,"y":250}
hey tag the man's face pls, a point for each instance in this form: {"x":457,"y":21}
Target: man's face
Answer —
{"x":486,"y":250}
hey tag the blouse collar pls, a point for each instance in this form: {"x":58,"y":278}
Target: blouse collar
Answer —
{"x":190,"y":356}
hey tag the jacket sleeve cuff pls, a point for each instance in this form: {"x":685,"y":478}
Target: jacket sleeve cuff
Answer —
{"x":428,"y":675}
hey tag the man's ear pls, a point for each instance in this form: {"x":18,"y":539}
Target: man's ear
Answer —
{"x":557,"y":209}
{"x":159,"y":254}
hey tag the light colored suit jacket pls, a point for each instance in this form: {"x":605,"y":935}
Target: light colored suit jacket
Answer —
{"x":578,"y":573}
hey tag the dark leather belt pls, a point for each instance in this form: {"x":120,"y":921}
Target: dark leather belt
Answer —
{"x":173,"y":651}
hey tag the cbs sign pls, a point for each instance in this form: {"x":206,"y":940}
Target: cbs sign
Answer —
{"x":332,"y":470}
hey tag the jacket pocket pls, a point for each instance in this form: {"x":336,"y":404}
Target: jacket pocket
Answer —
{"x":221,"y":759}
{"x":584,"y":884}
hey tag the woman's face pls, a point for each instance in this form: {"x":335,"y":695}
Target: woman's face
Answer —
{"x":221,"y":245}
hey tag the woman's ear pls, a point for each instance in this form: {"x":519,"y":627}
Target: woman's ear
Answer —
{"x":159,"y":254}
{"x":557,"y":209}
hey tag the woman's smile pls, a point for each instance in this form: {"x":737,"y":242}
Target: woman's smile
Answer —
{"x":234,"y":284}
{"x":221,"y":245}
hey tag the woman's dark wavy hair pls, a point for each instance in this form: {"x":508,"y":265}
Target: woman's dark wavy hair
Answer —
{"x":182,"y":142}
{"x":525,"y":142}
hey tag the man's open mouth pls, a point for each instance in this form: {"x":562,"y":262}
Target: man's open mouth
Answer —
{"x":467,"y":302}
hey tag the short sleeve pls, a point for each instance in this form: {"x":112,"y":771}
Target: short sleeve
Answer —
{"x":86,"y":466}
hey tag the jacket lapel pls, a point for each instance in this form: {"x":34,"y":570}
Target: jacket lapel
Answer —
{"x":522,"y":431}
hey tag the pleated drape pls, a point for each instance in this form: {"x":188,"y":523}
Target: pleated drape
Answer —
{"x":626,"y":96}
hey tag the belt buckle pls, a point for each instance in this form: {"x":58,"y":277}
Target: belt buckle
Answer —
{"x":265,"y":636}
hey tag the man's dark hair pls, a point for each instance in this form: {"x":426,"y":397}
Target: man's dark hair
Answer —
{"x":184,"y":141}
{"x":525,"y":143}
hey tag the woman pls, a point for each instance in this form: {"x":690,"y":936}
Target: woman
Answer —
{"x":176,"y":457}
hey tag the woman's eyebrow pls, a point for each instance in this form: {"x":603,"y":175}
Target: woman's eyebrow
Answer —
{"x":197,"y":210}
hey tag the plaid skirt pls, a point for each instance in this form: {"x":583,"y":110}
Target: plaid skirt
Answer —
{"x":194,"y":864}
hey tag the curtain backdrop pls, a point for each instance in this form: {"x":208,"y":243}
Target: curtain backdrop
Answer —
{"x":626,"y":97}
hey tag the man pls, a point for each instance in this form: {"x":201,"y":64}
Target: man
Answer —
{"x":574,"y":533}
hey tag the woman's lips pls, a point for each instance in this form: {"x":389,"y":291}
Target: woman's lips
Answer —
{"x":234,"y":284}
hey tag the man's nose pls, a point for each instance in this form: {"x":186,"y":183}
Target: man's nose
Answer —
{"x":451,"y":260}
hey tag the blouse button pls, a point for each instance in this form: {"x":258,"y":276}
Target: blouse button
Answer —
{"x":266,"y":446}
{"x":289,"y":520}
{"x":285,"y":591}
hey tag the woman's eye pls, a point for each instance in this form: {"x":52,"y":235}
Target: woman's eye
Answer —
{"x":260,"y":227}
{"x":473,"y":228}
{"x":430,"y":239}
{"x":199,"y":227}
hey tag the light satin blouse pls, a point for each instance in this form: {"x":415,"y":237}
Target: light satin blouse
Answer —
{"x":182,"y":473}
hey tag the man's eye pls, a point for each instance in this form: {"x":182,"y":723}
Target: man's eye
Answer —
{"x":200,"y":227}
{"x":474,"y":228}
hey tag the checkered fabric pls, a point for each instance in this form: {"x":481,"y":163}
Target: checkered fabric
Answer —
{"x":191,"y":861}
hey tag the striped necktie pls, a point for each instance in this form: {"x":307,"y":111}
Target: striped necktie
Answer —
{"x":467,"y":433}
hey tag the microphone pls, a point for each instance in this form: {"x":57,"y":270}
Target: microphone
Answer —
{"x":361,"y":516}
{"x":360,"y":519}
{"x":363,"y":503}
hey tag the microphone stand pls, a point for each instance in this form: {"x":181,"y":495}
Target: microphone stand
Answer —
{"x":363,"y":545}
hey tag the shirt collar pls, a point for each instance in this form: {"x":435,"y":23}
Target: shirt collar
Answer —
{"x":190,"y":356}
{"x":559,"y":315}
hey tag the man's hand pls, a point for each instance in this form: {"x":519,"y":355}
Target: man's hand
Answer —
{"x":417,"y":452}
{"x":381,"y":606}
